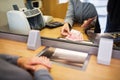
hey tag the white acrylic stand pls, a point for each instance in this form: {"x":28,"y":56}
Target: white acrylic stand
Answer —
{"x":105,"y":51}
{"x":34,"y":40}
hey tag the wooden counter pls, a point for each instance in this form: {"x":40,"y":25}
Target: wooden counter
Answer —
{"x":55,"y":32}
{"x":17,"y":48}
{"x":93,"y":71}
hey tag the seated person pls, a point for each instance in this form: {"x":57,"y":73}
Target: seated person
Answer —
{"x":22,"y":68}
{"x":83,"y":13}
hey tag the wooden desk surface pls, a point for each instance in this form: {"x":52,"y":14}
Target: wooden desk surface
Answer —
{"x":93,"y":71}
{"x":17,"y":48}
{"x":55,"y":32}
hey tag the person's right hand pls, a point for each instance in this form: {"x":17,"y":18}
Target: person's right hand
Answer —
{"x":65,"y":29}
{"x":45,"y":64}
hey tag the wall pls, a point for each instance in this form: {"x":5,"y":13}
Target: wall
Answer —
{"x":5,"y":6}
{"x":51,"y":7}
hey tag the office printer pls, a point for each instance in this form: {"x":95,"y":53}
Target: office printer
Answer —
{"x":21,"y":22}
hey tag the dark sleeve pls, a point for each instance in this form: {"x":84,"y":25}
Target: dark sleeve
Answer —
{"x":42,"y":75}
{"x":113,"y":8}
{"x":9,"y":58}
{"x":110,"y":5}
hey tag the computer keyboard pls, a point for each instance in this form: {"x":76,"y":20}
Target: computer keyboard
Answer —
{"x":54,"y":24}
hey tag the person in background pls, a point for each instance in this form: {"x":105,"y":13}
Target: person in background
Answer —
{"x":80,"y":12}
{"x":24,"y":68}
{"x":113,"y":16}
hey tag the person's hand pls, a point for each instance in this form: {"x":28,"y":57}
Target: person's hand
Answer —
{"x":86,"y":23}
{"x":30,"y":63}
{"x":45,"y":64}
{"x":65,"y":29}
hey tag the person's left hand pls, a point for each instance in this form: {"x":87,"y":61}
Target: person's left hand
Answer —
{"x":86,"y":23}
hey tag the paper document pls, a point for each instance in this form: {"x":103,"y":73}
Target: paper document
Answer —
{"x":70,"y":55}
{"x":75,"y":35}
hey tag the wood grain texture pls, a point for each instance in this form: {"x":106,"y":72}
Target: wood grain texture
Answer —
{"x":51,"y":7}
{"x":93,"y":71}
{"x":17,"y":48}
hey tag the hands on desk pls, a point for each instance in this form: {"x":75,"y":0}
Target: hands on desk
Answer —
{"x":65,"y":29}
{"x":34,"y":63}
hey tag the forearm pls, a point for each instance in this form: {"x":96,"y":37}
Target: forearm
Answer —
{"x":70,"y":13}
{"x":67,"y":24}
{"x":69,"y":21}
{"x":9,"y":58}
{"x":42,"y":74}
